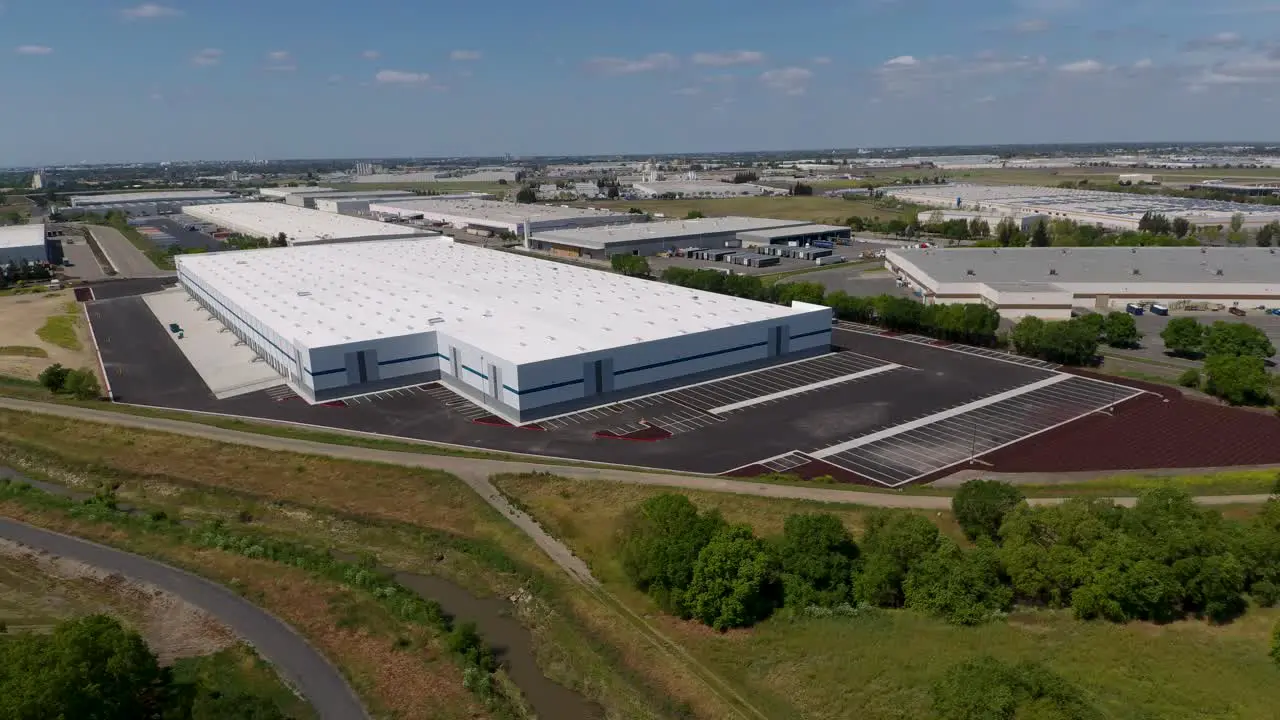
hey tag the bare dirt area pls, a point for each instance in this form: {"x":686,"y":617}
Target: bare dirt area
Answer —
{"x":38,"y":589}
{"x":21,"y":316}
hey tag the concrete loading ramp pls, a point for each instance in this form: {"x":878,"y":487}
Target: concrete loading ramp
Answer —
{"x":227,"y":367}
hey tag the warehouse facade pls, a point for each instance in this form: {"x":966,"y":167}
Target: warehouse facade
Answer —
{"x":23,"y":245}
{"x":1049,"y":282}
{"x":522,"y":337}
{"x":301,"y":226}
{"x":515,"y":218}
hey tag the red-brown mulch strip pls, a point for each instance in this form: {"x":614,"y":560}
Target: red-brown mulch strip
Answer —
{"x":648,"y":434}
{"x":808,"y":471}
{"x":496,"y":421}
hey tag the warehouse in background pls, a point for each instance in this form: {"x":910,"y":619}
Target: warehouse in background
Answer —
{"x":517,"y":219}
{"x":300,"y":226}
{"x":355,"y":204}
{"x":1049,"y":282}
{"x":145,"y":202}
{"x":24,"y":245}
{"x":522,"y":337}
{"x":656,"y":237}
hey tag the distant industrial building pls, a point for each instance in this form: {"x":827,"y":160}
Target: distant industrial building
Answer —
{"x":497,"y":216}
{"x":301,"y":226}
{"x":653,"y":238}
{"x":23,"y":245}
{"x":991,"y":217}
{"x":1249,"y":189}
{"x":1138,"y":178}
{"x":308,"y":199}
{"x":699,"y":189}
{"x":280,"y":193}
{"x":360,"y":205}
{"x":145,"y":203}
{"x":522,"y":337}
{"x":797,"y":235}
{"x":1118,"y":211}
{"x":1049,"y":282}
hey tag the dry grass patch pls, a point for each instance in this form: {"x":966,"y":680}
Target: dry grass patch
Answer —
{"x":23,"y":351}
{"x":31,"y":325}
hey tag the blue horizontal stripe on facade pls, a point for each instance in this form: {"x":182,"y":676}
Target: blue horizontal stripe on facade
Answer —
{"x":544,"y":388}
{"x":665,"y":363}
{"x":811,"y":334}
{"x":475,"y":372}
{"x":325,"y":372}
{"x":413,"y":359}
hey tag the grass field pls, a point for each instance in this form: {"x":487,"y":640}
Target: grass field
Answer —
{"x":813,"y":208}
{"x":1240,"y":482}
{"x":881,"y":664}
{"x":23,"y":351}
{"x":412,"y":520}
{"x":60,"y":329}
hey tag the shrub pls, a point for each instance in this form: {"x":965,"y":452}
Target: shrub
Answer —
{"x":1190,"y":378}
{"x":1275,"y":644}
{"x":659,"y":543}
{"x":816,"y":556}
{"x":963,"y":588}
{"x":735,"y":582}
{"x":54,"y":377}
{"x":82,"y":385}
{"x":980,"y":507}
{"x":988,"y":689}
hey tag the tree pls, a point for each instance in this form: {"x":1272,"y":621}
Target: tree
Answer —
{"x":527,"y":195}
{"x":82,"y":385}
{"x":816,"y":555}
{"x":1190,"y":378}
{"x":801,"y":189}
{"x":1007,"y":233}
{"x":735,"y":581}
{"x":799,"y":291}
{"x":1275,"y":644}
{"x":1181,"y":226}
{"x":1070,"y":342}
{"x":1183,"y":336}
{"x":980,"y":507}
{"x":54,"y":377}
{"x":963,"y":588}
{"x":1237,"y":222}
{"x":630,"y":265}
{"x":694,"y":215}
{"x":1026,"y":335}
{"x":612,"y":192}
{"x":1237,"y":339}
{"x":659,"y":543}
{"x":89,"y":667}
{"x":1120,"y":330}
{"x":215,"y":705}
{"x":1040,"y":235}
{"x":1240,"y":380}
{"x":894,"y":542}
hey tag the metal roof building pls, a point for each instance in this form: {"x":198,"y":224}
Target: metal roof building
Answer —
{"x":300,"y":225}
{"x":280,"y":193}
{"x":308,"y":199}
{"x":1048,"y":282}
{"x":22,"y":244}
{"x":1120,"y":211}
{"x":653,"y":237}
{"x":148,"y":196}
{"x":523,"y":337}
{"x":799,"y":234}
{"x":499,"y":216}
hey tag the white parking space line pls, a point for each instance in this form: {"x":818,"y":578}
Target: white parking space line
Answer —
{"x":802,"y":389}
{"x":929,"y":419}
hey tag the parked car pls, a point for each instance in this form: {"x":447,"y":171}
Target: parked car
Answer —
{"x":1236,"y":311}
{"x":1273,"y":311}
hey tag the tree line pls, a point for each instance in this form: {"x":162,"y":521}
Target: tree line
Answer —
{"x":93,"y":667}
{"x":1074,"y":341}
{"x":1234,"y":354}
{"x":1164,"y":559}
{"x":973,"y":323}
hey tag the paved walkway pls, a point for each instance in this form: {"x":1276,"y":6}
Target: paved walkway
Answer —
{"x":127,"y":259}
{"x":296,"y":661}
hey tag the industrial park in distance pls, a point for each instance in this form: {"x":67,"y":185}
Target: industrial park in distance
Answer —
{"x":868,"y":360}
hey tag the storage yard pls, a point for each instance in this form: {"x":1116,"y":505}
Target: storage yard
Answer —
{"x":22,"y":244}
{"x":497,"y":216}
{"x":655,"y":237}
{"x":1049,"y":282}
{"x":301,"y":226}
{"x":521,"y":337}
{"x":1118,"y":211}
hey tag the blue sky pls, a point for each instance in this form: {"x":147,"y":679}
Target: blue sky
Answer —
{"x":106,"y":81}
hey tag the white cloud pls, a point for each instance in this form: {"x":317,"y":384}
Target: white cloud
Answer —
{"x":335,"y":79}
{"x":149,"y":10}
{"x":207,"y":57}
{"x":902,"y":61}
{"x":821,"y":60}
{"x":735,"y":57}
{"x":624,"y":66}
{"x":1083,"y":67}
{"x":788,"y":80}
{"x":465,"y":55}
{"x":281,"y":61}
{"x":1217,"y":41}
{"x":1032,"y":26}
{"x":1144,"y":64}
{"x":400,"y":77}
{"x":370,"y":54}
{"x":985,"y":99}
{"x":33,"y":50}
{"x":1252,"y":70}
{"x":278,"y":55}
{"x":687,"y":91}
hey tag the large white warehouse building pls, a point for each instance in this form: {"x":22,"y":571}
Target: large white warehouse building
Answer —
{"x":652,"y":238}
{"x":22,"y":245}
{"x":523,"y":337}
{"x":301,"y":226}
{"x":1049,"y":282}
{"x":1119,"y":211}
{"x":149,"y":196}
{"x":497,"y":216}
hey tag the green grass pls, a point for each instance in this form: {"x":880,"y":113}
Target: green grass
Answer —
{"x":1232,"y":482}
{"x":880,"y":665}
{"x":23,"y":351}
{"x":60,"y":330}
{"x":239,"y":670}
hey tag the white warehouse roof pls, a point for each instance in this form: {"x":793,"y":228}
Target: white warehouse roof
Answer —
{"x":147,"y":196}
{"x":669,"y":230}
{"x":520,"y":308}
{"x":21,"y":236}
{"x":488,"y":210}
{"x":283,"y":192}
{"x":301,"y":225}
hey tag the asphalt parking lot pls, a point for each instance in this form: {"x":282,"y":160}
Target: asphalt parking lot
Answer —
{"x":145,"y":367}
{"x":182,"y":237}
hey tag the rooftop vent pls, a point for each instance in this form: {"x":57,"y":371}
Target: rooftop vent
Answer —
{"x":970,"y":272}
{"x":1052,"y":271}
{"x":1136,"y":271}
{"x":1217,"y":272}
